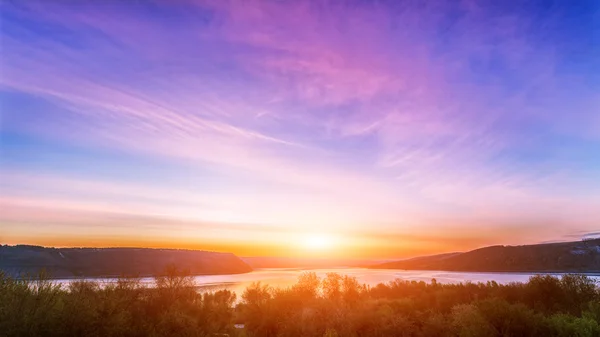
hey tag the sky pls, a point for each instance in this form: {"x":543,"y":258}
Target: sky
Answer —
{"x":379,"y":129}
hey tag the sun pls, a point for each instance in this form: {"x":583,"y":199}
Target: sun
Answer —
{"x":318,"y":242}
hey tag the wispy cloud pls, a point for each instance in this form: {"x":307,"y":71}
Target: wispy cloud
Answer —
{"x":368,"y":112}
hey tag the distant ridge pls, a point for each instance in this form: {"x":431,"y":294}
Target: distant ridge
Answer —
{"x":579,"y":256}
{"x":109,"y":262}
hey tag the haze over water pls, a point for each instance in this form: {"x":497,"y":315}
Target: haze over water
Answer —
{"x":284,"y":277}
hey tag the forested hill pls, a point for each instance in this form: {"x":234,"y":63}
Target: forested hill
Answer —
{"x":96,"y":262}
{"x":580,"y":256}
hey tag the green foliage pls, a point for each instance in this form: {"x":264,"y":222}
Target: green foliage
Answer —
{"x":333,"y":306}
{"x":38,"y":307}
{"x":467,"y":321}
{"x":566,"y":325}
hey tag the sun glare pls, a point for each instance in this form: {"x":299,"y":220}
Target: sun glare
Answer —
{"x":318,"y":242}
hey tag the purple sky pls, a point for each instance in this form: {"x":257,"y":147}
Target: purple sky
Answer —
{"x":393,"y":128}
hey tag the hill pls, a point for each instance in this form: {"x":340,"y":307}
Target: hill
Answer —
{"x":580,"y":256}
{"x":107,"y":262}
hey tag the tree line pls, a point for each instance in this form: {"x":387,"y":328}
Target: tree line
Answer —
{"x":335,"y":305}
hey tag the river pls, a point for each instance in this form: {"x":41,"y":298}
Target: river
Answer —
{"x":286,"y":277}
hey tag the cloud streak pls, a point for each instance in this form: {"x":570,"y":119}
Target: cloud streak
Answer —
{"x":343,"y":114}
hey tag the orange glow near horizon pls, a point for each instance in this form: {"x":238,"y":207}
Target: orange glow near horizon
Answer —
{"x":312,"y":245}
{"x":79,"y":224}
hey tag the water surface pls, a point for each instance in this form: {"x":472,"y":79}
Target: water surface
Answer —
{"x":278,"y":277}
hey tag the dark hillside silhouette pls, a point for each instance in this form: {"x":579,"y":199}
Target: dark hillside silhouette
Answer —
{"x":579,"y":256}
{"x":95,"y":262}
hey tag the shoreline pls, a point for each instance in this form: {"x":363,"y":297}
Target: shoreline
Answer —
{"x":332,"y":269}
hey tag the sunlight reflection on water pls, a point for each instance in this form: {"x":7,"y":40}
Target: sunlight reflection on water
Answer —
{"x":287,"y":277}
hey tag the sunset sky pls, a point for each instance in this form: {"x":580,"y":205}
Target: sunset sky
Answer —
{"x":299,"y":128}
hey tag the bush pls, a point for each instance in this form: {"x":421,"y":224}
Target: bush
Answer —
{"x":334,"y":306}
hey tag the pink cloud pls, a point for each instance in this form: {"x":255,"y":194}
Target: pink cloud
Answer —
{"x":282,"y":90}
